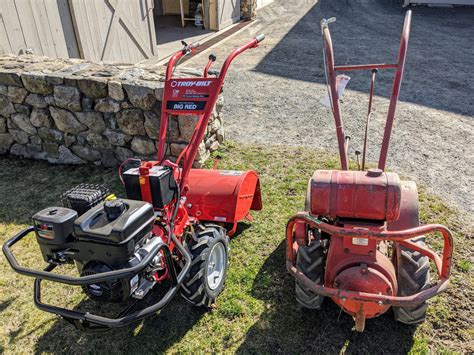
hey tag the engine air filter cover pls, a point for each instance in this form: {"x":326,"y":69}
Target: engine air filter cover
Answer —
{"x":84,"y":196}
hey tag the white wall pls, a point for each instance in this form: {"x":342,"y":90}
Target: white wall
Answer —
{"x":262,"y":3}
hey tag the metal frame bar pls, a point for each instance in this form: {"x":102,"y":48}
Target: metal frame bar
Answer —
{"x":71,"y":280}
{"x":443,"y":265}
{"x":86,"y":320}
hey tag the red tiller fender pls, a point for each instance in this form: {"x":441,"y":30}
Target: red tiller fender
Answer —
{"x":223,"y":196}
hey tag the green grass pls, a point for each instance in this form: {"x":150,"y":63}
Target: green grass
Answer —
{"x":464,"y":265}
{"x":257,"y":311}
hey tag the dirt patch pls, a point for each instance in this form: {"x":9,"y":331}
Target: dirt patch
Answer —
{"x":273,"y":93}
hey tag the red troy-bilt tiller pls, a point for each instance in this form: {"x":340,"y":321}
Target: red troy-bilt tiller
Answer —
{"x":174,"y":225}
{"x":359,"y":240}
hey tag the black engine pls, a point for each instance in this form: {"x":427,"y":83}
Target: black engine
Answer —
{"x":101,"y":235}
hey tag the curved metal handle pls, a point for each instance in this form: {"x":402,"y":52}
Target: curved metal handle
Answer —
{"x":194,"y":45}
{"x":71,"y":280}
{"x":86,"y":320}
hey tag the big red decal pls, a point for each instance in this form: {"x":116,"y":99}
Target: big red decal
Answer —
{"x":188,"y":96}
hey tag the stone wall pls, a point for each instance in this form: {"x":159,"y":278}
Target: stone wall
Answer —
{"x":248,"y":9}
{"x":73,"y":112}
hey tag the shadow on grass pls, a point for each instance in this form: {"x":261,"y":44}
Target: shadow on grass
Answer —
{"x":27,"y":186}
{"x":4,"y":304}
{"x":288,"y":328}
{"x":154,"y":334}
{"x":368,"y":31}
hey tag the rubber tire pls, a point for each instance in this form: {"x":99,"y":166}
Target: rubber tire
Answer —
{"x":310,"y":260}
{"x":413,"y":276}
{"x":114,"y":291}
{"x":195,"y":288}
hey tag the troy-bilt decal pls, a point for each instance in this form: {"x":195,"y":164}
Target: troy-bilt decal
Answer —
{"x":186,"y":105}
{"x":189,"y":83}
{"x":188,"y":95}
{"x":195,"y":96}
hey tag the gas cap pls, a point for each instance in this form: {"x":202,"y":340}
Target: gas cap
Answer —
{"x":374,"y":172}
{"x":114,"y":208}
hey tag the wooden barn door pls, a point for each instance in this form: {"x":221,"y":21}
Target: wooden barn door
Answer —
{"x":114,"y":30}
{"x":41,"y":25}
{"x":228,"y":12}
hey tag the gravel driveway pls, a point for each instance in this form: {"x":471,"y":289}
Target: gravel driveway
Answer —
{"x":273,"y":93}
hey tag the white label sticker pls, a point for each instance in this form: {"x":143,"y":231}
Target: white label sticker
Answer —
{"x":220,"y":219}
{"x":360,"y":241}
{"x":230,"y":173}
{"x":341,"y":82}
{"x":134,"y":284}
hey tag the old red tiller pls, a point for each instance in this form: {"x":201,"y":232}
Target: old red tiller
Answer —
{"x":359,"y":240}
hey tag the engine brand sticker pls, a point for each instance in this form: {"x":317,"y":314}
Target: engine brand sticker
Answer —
{"x":341,"y":83}
{"x":220,"y":219}
{"x":230,"y":173}
{"x":360,"y":241}
{"x":45,"y":230}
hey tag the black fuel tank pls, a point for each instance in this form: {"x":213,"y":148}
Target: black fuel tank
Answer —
{"x":134,"y":221}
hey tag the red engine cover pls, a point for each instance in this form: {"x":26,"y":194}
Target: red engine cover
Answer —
{"x":369,"y":194}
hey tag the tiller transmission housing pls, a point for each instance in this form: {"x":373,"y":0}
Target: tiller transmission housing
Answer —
{"x":359,"y":241}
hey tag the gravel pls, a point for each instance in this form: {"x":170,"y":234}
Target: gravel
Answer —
{"x":273,"y":93}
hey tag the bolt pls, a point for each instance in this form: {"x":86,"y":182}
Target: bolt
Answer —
{"x":346,"y":250}
{"x":343,"y":298}
{"x":371,"y":253}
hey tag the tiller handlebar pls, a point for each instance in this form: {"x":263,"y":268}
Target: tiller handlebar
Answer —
{"x":193,"y":96}
{"x":331,"y":77}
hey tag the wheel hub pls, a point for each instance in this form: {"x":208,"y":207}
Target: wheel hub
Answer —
{"x":216,"y":266}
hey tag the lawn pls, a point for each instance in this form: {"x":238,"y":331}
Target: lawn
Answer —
{"x":257,"y":311}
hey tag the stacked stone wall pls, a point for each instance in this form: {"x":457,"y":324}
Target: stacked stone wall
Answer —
{"x":248,"y":9}
{"x":74,"y":112}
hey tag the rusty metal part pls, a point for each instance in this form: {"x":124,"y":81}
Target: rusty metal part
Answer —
{"x":443,"y":265}
{"x":339,"y":193}
{"x":369,"y":114}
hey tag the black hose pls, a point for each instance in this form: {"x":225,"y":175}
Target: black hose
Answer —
{"x":175,"y":212}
